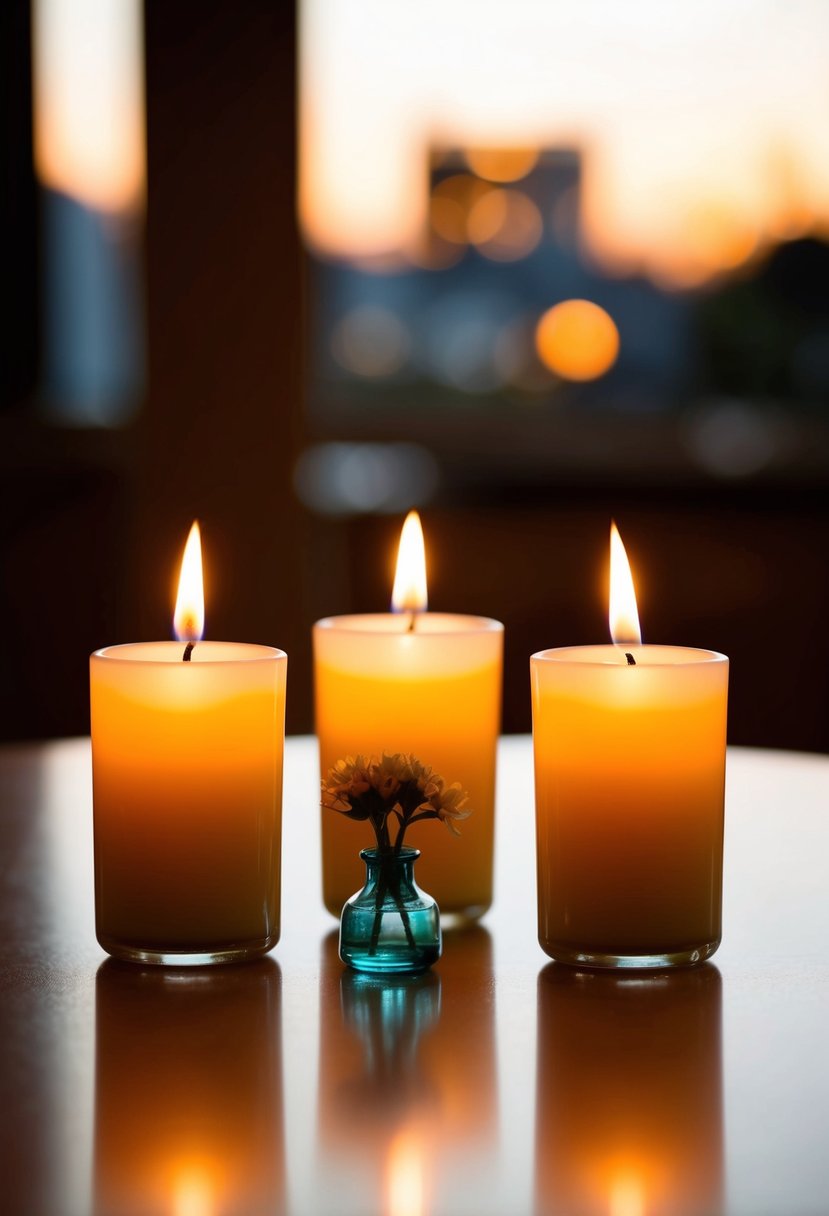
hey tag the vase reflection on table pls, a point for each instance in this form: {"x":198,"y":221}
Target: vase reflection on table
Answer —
{"x":379,"y":1107}
{"x":408,"y":1081}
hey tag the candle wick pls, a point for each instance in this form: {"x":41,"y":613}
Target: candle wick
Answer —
{"x":630,"y":659}
{"x":411,"y":625}
{"x":188,"y":650}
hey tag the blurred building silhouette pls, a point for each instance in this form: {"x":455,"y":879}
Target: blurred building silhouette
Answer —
{"x":456,"y":326}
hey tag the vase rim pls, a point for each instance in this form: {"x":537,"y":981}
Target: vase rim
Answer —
{"x":407,"y":853}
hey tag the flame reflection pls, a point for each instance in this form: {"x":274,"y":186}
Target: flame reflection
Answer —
{"x":405,"y":1175}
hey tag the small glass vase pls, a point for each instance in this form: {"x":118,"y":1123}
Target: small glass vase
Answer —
{"x":390,"y":926}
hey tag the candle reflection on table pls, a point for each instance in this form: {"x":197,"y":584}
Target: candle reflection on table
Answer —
{"x":407,"y":1079}
{"x":629,"y":1093}
{"x":188,"y":1091}
{"x":462,"y":1052}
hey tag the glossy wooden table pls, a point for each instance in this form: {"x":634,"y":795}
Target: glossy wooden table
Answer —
{"x":498,"y":1083}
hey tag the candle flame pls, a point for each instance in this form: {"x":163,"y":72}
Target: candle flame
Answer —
{"x":409,"y":592}
{"x":188,"y":620}
{"x":405,"y":1176}
{"x":624,"y":618}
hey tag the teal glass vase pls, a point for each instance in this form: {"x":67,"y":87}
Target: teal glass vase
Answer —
{"x":390,"y":926}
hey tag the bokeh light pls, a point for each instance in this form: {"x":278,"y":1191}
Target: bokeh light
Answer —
{"x":432,"y":252}
{"x":515,"y":359}
{"x":371,"y":341}
{"x":447,"y":217}
{"x":363,"y":478}
{"x":577,"y":340}
{"x":505,"y":225}
{"x":502,"y":164}
{"x":452,"y":201}
{"x":460,"y":337}
{"x":731,"y":438}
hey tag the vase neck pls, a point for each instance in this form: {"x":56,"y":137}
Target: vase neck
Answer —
{"x":380,"y":861}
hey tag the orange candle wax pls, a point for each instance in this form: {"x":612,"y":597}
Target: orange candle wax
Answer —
{"x":629,"y":777}
{"x":187,"y":778}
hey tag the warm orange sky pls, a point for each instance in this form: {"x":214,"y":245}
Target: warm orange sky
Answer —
{"x":89,"y":100}
{"x":705,"y":126}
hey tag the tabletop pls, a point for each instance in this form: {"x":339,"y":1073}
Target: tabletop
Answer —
{"x":499,"y":1082}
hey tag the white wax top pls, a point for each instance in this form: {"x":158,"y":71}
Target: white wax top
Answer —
{"x":645,"y":656}
{"x":398,"y":622}
{"x":203,"y":652}
{"x":381,"y":645}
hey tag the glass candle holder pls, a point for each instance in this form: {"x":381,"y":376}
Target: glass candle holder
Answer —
{"x":435,"y":692}
{"x":187,"y":793}
{"x":629,"y":782}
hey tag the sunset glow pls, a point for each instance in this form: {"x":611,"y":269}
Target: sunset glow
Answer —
{"x":702,"y":129}
{"x":89,"y":101}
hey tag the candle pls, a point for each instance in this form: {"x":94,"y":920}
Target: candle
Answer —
{"x":426,"y":683}
{"x":629,"y":747}
{"x":187,"y":789}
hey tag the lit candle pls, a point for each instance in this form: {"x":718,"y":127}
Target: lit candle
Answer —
{"x":426,"y":683}
{"x":629,"y":777}
{"x":187,"y":741}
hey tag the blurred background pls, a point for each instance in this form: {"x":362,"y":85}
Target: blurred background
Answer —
{"x":294,"y":269}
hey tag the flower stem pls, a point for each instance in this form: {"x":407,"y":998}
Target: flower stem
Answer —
{"x":378,"y":908}
{"x":404,"y":916}
{"x":389,"y":881}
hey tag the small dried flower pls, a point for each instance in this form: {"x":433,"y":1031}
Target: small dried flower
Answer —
{"x":348,"y":781}
{"x":388,"y":777}
{"x":450,"y":806}
{"x":399,"y":785}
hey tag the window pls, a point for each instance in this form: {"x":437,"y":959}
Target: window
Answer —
{"x":591,"y":238}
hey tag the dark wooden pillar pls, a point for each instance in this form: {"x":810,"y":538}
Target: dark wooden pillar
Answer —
{"x":223,"y":419}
